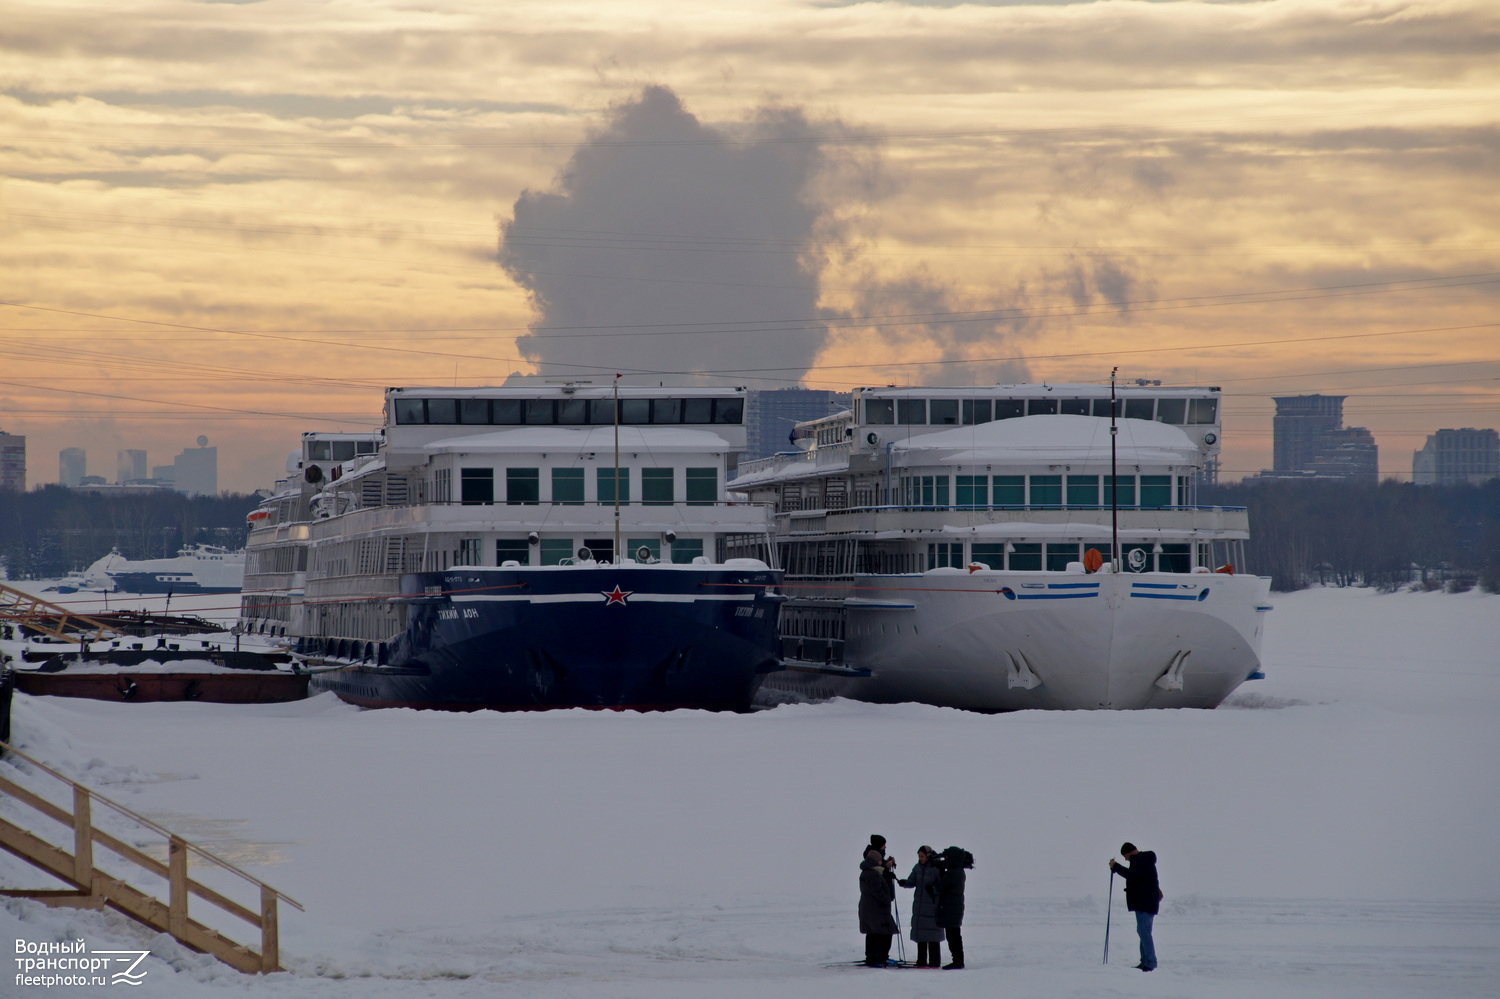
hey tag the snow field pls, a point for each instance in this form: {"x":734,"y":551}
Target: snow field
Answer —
{"x":1326,"y":834}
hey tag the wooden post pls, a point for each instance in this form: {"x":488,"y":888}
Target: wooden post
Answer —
{"x":83,"y":840}
{"x":177,"y":901}
{"x":270,"y":944}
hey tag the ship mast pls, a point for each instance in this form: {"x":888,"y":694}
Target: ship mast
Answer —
{"x":1114,"y":479}
{"x":617,"y":558}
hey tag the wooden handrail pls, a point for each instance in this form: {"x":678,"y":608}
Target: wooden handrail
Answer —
{"x":98,"y":888}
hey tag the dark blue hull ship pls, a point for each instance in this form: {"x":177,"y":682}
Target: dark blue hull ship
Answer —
{"x":648,"y":637}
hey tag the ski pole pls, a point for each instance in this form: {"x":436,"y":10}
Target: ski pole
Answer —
{"x":900,"y":943}
{"x":1109,"y":908}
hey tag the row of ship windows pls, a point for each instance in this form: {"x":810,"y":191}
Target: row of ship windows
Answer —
{"x":1042,"y":490}
{"x":967,"y":412}
{"x":1056,"y":556}
{"x":567,"y":412}
{"x":523,"y":486}
{"x":564,"y":551}
{"x":339,"y":450}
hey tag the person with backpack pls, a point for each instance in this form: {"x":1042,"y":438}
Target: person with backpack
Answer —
{"x":877,"y":890}
{"x":928,"y":935}
{"x":952,"y":863}
{"x":1142,"y":896}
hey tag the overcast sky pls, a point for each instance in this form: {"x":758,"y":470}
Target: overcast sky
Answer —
{"x":243,"y":219}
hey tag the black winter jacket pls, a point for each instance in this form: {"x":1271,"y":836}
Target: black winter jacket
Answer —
{"x":1142,"y":889}
{"x":950,"y":907}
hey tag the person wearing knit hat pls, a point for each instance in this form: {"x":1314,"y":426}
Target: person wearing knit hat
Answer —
{"x":1142,"y":896}
{"x":877,"y":891}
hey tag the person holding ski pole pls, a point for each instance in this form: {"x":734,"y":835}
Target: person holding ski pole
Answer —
{"x":1142,"y":896}
{"x":877,"y":890}
{"x":925,"y":931}
{"x":952,"y":863}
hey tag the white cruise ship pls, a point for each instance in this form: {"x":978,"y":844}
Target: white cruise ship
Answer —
{"x":954,"y":546}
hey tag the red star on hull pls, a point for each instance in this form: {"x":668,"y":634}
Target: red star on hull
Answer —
{"x":616,"y":596}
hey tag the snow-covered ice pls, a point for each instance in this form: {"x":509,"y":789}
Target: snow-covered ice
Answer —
{"x":1330,"y":832}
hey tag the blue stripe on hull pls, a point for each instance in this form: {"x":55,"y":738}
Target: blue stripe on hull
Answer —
{"x":513,"y":639}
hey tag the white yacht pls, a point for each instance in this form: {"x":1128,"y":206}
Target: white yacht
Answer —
{"x":955,"y":546}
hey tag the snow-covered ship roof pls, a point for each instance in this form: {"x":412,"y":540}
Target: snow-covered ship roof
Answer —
{"x":1058,"y":440}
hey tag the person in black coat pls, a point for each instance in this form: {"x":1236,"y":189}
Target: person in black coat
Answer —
{"x":923,"y":879}
{"x":1142,"y":896}
{"x":952,"y":862}
{"x":877,"y":890}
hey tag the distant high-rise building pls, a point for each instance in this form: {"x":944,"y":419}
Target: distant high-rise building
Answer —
{"x":196,"y":470}
{"x":72,"y":466}
{"x":130,"y":466}
{"x":12,"y":462}
{"x":1309,"y":438}
{"x":771,"y":414}
{"x":165,"y":475}
{"x":1451,"y":457}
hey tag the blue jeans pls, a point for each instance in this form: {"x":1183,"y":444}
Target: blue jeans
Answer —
{"x":1148,"y":948}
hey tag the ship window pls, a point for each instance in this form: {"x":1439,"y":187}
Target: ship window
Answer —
{"x":567,"y":486}
{"x":1074,"y":407}
{"x":1060,"y":554}
{"x":729,"y":410}
{"x":476,"y":485}
{"x":976,"y":411}
{"x":1008,"y":409}
{"x":656,"y":489}
{"x":929,"y":490}
{"x":343,"y":450}
{"x":1101,"y":407}
{"x":990,"y":555}
{"x":1040,"y":407}
{"x":540,"y":412}
{"x":880,"y":412}
{"x":633,"y":547}
{"x":1126,"y":491}
{"x":1156,"y":490}
{"x":684,"y":550}
{"x":473,"y":411}
{"x":1202,"y":410}
{"x":602,"y":412}
{"x":972,"y":490}
{"x":697,"y":411}
{"x":607,"y":485}
{"x":319,"y":451}
{"x":1139,"y":409}
{"x":944,"y":554}
{"x":573,"y":412}
{"x":366,"y":447}
{"x":554,"y":550}
{"x":1173,"y":411}
{"x":506,"y":412}
{"x":442,"y":411}
{"x":911,"y":412}
{"x":1025,"y":557}
{"x":1010,"y":490}
{"x":523,"y":486}
{"x":702,"y":486}
{"x":1046,"y":490}
{"x":634,"y":412}
{"x":512,"y":550}
{"x":1175,"y":558}
{"x":468,"y":552}
{"x":410,"y":411}
{"x":666,"y":411}
{"x":943,"y":412}
{"x":1083,"y":490}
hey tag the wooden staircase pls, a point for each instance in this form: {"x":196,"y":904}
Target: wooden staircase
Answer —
{"x":94,"y":888}
{"x":45,"y":618}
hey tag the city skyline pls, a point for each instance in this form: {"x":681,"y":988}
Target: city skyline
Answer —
{"x":245,"y":220}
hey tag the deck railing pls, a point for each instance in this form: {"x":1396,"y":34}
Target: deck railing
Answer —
{"x":94,"y":888}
